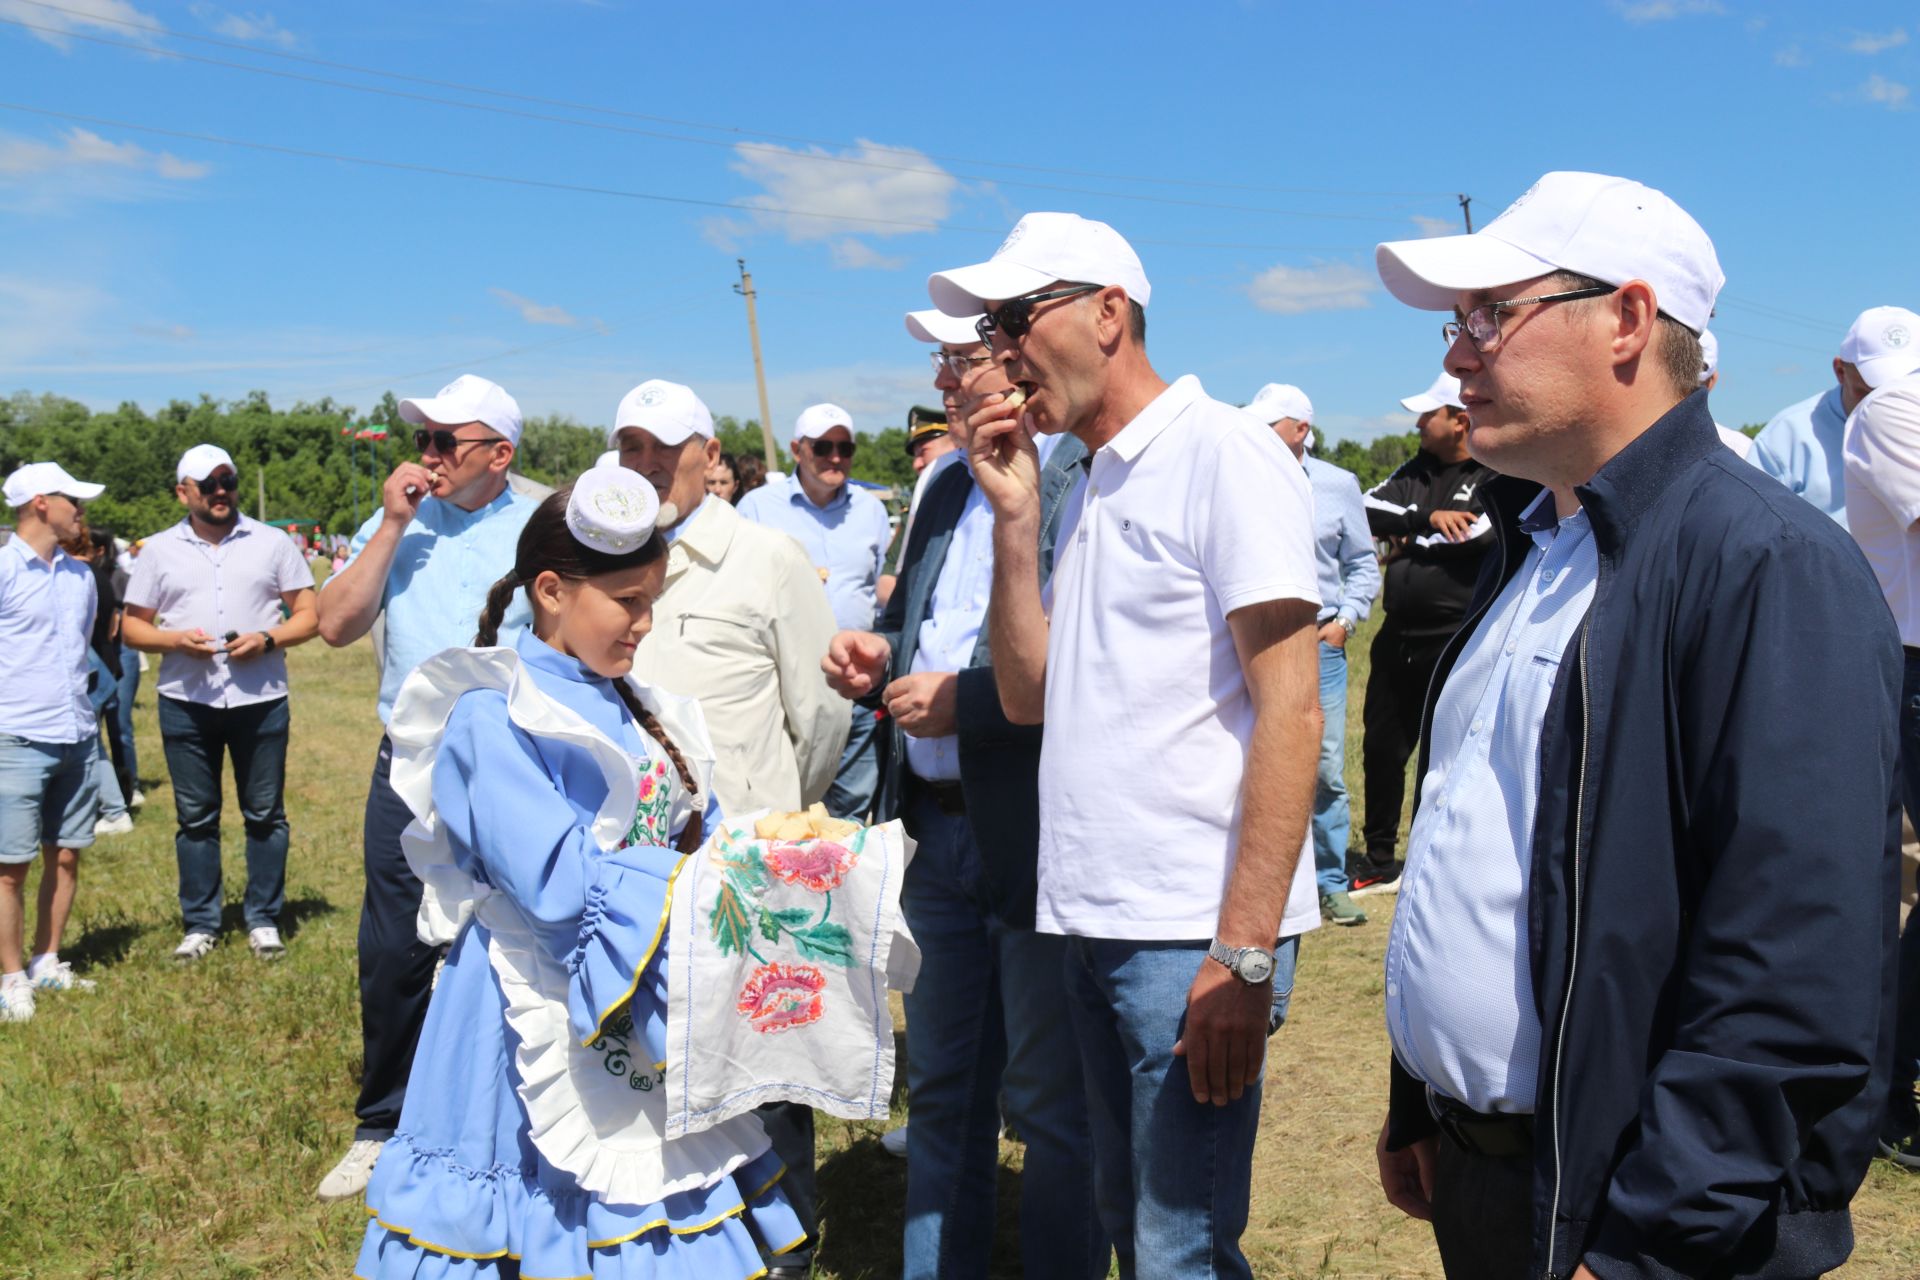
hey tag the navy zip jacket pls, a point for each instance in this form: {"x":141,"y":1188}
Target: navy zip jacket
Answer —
{"x":1713,"y":902}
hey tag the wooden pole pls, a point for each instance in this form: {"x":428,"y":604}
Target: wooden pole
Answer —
{"x":260,"y":474}
{"x":745,"y":290}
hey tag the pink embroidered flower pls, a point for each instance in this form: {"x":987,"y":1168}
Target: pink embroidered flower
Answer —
{"x":778,"y":997}
{"x":647,"y":784}
{"x":817,"y":865}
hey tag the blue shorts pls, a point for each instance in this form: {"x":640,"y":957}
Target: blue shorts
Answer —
{"x":47,"y":796}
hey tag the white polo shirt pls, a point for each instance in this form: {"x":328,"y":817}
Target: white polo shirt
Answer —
{"x":1193,"y":511}
{"x":1882,"y":454}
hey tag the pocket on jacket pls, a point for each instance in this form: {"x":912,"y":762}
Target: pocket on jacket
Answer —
{"x":719,"y":631}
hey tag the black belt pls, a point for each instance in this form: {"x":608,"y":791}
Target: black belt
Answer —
{"x":1913,"y":651}
{"x":948,"y":795}
{"x":1501,"y":1137}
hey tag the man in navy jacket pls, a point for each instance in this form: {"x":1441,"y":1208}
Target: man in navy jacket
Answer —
{"x":1640,"y":978}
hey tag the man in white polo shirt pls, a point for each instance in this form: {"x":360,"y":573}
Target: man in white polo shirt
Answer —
{"x":1173,"y":659}
{"x":208,"y":595}
{"x":48,"y":800}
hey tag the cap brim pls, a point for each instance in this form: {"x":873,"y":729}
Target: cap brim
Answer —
{"x":942,"y":329}
{"x":1881,"y":370}
{"x":433,"y":409}
{"x":667,"y":433}
{"x":965,"y":291}
{"x":80,"y":492}
{"x":1422,"y":403}
{"x":1426,"y":274}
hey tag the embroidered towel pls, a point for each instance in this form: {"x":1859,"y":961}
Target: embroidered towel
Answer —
{"x":778,"y":967}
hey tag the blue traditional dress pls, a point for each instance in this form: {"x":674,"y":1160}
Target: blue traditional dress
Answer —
{"x":532,"y":1145}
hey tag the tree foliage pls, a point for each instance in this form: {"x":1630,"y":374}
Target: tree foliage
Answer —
{"x":1374,"y":462}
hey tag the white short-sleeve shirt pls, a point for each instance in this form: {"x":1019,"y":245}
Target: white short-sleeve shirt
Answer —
{"x":1195,"y":509}
{"x":1882,"y":453}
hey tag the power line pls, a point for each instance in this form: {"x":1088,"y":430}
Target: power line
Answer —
{"x":733,"y":130}
{"x":1775,"y":313}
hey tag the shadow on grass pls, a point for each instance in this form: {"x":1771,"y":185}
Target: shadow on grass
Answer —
{"x":295,"y":913}
{"x":104,"y":945}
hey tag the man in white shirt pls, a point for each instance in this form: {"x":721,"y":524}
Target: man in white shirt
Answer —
{"x":1882,"y":453}
{"x":208,"y":595}
{"x":1173,"y":660}
{"x":48,"y":798}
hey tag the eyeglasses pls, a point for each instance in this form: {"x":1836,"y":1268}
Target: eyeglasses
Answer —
{"x":444,"y":441}
{"x":841,"y":449}
{"x":958,"y":366}
{"x":228,"y":483}
{"x":1013,"y":319}
{"x":1482,"y":324}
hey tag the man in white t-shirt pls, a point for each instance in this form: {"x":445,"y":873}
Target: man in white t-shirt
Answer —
{"x":1173,"y":659}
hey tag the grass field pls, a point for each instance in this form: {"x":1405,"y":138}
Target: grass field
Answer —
{"x":173,"y":1126}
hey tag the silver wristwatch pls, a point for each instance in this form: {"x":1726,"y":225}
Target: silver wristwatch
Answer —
{"x":1249,"y":964}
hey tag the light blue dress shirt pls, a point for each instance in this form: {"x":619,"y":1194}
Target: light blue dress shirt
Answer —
{"x":1460,"y":1004}
{"x":955,"y":614}
{"x":445,"y":563}
{"x":1801,"y":448}
{"x":847,"y":539}
{"x":1342,"y":544}
{"x":46,"y":621}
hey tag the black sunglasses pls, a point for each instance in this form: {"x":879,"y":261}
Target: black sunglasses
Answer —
{"x":444,"y":441}
{"x":228,"y":483}
{"x":1013,"y":319}
{"x":841,"y":449}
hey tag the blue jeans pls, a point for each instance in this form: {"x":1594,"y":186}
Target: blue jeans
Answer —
{"x":851,"y":794}
{"x":126,"y":756}
{"x":1332,"y":817}
{"x":113,"y":801}
{"x":1903,"y":1116}
{"x":989,"y":1012}
{"x":1172,"y":1177}
{"x":197,"y":738}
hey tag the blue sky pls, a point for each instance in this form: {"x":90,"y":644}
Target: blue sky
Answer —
{"x":1254,"y":153}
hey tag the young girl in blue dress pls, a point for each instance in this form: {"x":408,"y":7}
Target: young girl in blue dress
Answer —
{"x":556,"y":798}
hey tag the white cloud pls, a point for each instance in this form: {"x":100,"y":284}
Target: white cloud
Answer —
{"x":166,"y":332}
{"x":54,"y":25}
{"x":1638,"y":11}
{"x":1430,"y":227}
{"x":1869,"y":44}
{"x":1335,"y":286}
{"x":1791,"y":56}
{"x":259,"y":28}
{"x":858,"y":255}
{"x":1890,"y":94}
{"x":535,"y":312}
{"x":905,"y":193}
{"x":84,"y":149}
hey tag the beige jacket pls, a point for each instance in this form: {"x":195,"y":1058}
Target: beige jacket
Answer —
{"x":741,"y":627}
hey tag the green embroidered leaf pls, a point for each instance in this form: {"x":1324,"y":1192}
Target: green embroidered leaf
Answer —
{"x":731,"y":928}
{"x":769,"y":926}
{"x":829,"y":942}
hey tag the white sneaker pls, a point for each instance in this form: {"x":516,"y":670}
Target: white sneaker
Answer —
{"x":265,"y":942}
{"x":139,"y":799}
{"x":349,"y":1177}
{"x":16,"y":1002}
{"x":194,"y":946}
{"x":114,"y":826}
{"x":60,"y":977}
{"x":894,"y":1142}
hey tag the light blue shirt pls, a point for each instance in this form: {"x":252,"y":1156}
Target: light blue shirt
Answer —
{"x":1342,"y":545}
{"x":46,"y":622}
{"x":1801,"y":448}
{"x":673,"y":535}
{"x":846,"y":540}
{"x":445,"y":563}
{"x":955,"y":614}
{"x":1460,"y":1005}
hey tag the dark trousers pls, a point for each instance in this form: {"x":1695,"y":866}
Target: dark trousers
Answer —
{"x":1396,"y":691}
{"x":197,"y":740}
{"x":396,"y":968}
{"x":790,"y":1126}
{"x":1482,"y":1213}
{"x":1903,"y":1115}
{"x":119,"y":717}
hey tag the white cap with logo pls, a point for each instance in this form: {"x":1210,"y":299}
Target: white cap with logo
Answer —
{"x":468,"y":398}
{"x":1883,"y":344}
{"x":38,"y":478}
{"x":816,"y":420}
{"x":938,"y":327}
{"x":1709,"y":356}
{"x":201,"y":461}
{"x":1042,"y":248}
{"x":667,"y":411}
{"x":1443,"y":394}
{"x":613,"y":510}
{"x":1279,"y":400}
{"x":1612,"y":229}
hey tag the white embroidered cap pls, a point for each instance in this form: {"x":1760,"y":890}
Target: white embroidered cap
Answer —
{"x":1883,"y":344}
{"x":613,"y":510}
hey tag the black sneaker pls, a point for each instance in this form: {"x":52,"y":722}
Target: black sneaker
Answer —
{"x":1373,"y":879}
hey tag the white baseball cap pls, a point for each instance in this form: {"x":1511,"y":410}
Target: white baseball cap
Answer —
{"x":1612,"y":229}
{"x":1279,"y":400}
{"x":201,"y":461}
{"x":1443,"y":394}
{"x":1883,"y":344}
{"x":667,"y":411}
{"x":1042,"y":248}
{"x":37,"y":478}
{"x":938,"y":327}
{"x":816,"y":420}
{"x":1709,"y":356}
{"x":468,"y":398}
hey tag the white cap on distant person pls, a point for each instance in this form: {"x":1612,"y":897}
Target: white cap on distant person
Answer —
{"x":201,"y":461}
{"x":1883,"y":344}
{"x":1043,"y":248}
{"x":667,"y":411}
{"x":1612,"y":229}
{"x":1279,"y":400}
{"x":38,"y":478}
{"x":938,"y":327}
{"x":1709,"y":357}
{"x":816,"y":420}
{"x":1443,"y":394}
{"x":468,"y":398}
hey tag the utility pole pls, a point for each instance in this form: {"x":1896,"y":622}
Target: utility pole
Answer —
{"x":1466,"y":211}
{"x":745,"y":290}
{"x":260,"y":473}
